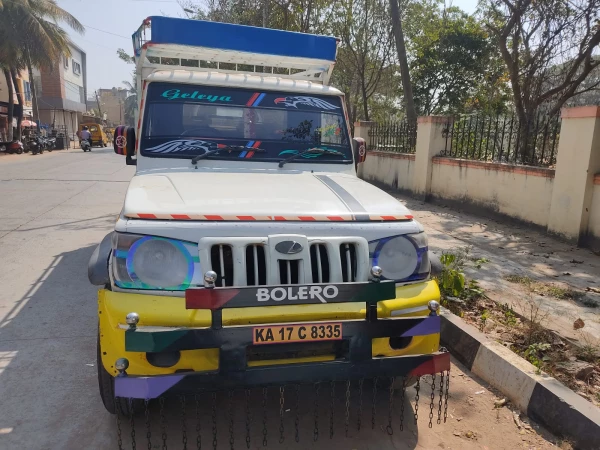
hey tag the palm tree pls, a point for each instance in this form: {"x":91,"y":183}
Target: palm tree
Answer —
{"x":30,"y":36}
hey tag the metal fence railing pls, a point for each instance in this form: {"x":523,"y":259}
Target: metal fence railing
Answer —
{"x":503,"y":139}
{"x":398,"y":137}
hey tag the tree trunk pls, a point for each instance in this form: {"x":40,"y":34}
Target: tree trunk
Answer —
{"x":365,"y":99}
{"x":409,"y":102}
{"x":11,"y":104}
{"x":34,"y":101}
{"x":21,"y":102}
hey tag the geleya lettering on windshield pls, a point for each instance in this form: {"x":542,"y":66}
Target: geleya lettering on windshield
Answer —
{"x":278,"y":294}
{"x":174,"y":94}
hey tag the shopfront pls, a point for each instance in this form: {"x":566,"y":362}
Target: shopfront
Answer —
{"x":4,"y":120}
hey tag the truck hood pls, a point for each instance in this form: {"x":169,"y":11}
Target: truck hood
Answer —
{"x":300,"y":196}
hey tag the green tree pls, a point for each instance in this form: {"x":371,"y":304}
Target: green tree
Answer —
{"x":455,"y":66}
{"x":549,"y":48}
{"x":131,"y":102}
{"x":31,"y":35}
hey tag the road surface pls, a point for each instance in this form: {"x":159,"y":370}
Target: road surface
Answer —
{"x":55,"y":208}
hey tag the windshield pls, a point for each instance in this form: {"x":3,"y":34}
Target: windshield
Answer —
{"x":183,"y":121}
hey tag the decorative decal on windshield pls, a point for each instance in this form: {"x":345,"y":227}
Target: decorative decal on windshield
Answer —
{"x":183,"y":145}
{"x":306,"y":155}
{"x":173,"y":94}
{"x":250,"y":152}
{"x":256,"y":98}
{"x":314,"y":102}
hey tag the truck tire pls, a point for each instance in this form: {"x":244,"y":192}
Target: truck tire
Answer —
{"x":106,"y":384}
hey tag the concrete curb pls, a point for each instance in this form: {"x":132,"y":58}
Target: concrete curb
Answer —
{"x":541,"y":397}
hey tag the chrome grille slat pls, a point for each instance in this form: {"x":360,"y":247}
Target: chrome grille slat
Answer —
{"x":255,"y":254}
{"x":222,"y":261}
{"x":319,"y":265}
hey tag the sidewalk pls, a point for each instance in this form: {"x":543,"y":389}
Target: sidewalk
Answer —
{"x":518,"y":250}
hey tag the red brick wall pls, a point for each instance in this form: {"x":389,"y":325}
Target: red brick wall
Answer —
{"x":53,"y":84}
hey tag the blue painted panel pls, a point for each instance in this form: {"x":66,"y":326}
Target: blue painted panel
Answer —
{"x":226,"y":36}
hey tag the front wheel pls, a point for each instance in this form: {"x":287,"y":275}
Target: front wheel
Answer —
{"x":19,"y":151}
{"x":106,"y":384}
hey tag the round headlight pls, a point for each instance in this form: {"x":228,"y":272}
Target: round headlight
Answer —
{"x":160,"y":263}
{"x":398,"y":258}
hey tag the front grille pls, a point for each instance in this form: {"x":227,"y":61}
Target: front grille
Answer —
{"x":221,"y":259}
{"x":289,"y":271}
{"x":349,"y":262}
{"x":319,"y":262}
{"x":255,"y":261}
{"x":256,"y":265}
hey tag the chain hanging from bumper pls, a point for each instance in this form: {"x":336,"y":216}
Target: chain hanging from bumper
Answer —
{"x":360,"y":403}
{"x":316,"y":413}
{"x":183,"y":424}
{"x":373,"y":406}
{"x":163,"y":422}
{"x":402,"y":395}
{"x":264,"y":408}
{"x":332,"y":407}
{"x":214,"y":420}
{"x":417,"y":387}
{"x":147,"y":421}
{"x":281,"y":405}
{"x":247,"y":396}
{"x":297,"y":420}
{"x":389,"y":428}
{"x":431,"y":403}
{"x":198,"y":424}
{"x":439,"y":388}
{"x":231,"y":431}
{"x":119,"y":436}
{"x":132,"y":424}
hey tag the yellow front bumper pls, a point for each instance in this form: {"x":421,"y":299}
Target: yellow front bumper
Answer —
{"x":165,"y":311}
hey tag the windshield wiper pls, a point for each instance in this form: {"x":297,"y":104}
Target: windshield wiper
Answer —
{"x":227,"y":148}
{"x":321,"y":151}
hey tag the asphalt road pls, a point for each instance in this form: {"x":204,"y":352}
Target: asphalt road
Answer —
{"x":54,"y":209}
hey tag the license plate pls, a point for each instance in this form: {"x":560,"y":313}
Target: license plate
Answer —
{"x":297,"y":333}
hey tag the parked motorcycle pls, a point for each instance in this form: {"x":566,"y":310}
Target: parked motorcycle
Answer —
{"x":51,"y":143}
{"x":86,"y":146}
{"x":14,"y":147}
{"x":35,"y":145}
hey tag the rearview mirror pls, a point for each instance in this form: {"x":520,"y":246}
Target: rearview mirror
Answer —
{"x":359,"y":148}
{"x":124,"y":143}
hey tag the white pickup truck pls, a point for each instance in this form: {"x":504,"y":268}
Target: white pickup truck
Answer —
{"x":248,"y":252}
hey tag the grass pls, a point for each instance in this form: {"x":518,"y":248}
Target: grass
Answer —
{"x":546,"y":289}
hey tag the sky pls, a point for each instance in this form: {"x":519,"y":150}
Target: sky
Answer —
{"x":109,"y":25}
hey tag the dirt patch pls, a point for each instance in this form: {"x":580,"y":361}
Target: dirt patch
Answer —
{"x":556,"y":290}
{"x":575,"y":364}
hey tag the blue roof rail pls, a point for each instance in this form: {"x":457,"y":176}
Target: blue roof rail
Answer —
{"x":199,"y":45}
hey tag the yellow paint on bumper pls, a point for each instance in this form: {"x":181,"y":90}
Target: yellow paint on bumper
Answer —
{"x":170,"y":312}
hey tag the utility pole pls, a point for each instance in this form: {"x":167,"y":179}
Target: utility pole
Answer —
{"x":264,"y":13}
{"x":99,"y":109}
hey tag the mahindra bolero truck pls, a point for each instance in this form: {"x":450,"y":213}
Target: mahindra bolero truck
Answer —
{"x":248,"y":253}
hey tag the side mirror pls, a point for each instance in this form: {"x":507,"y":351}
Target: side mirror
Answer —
{"x":124,"y":143}
{"x":359,"y":147}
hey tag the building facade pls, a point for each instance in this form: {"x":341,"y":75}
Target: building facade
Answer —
{"x":23,"y":88}
{"x":111,"y":102}
{"x":62,"y":92}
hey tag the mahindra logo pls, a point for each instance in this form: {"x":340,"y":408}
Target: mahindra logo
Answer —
{"x":289,"y":247}
{"x":278,"y":294}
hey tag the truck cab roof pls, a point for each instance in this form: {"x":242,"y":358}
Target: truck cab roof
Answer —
{"x":195,"y":45}
{"x":257,"y":81}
